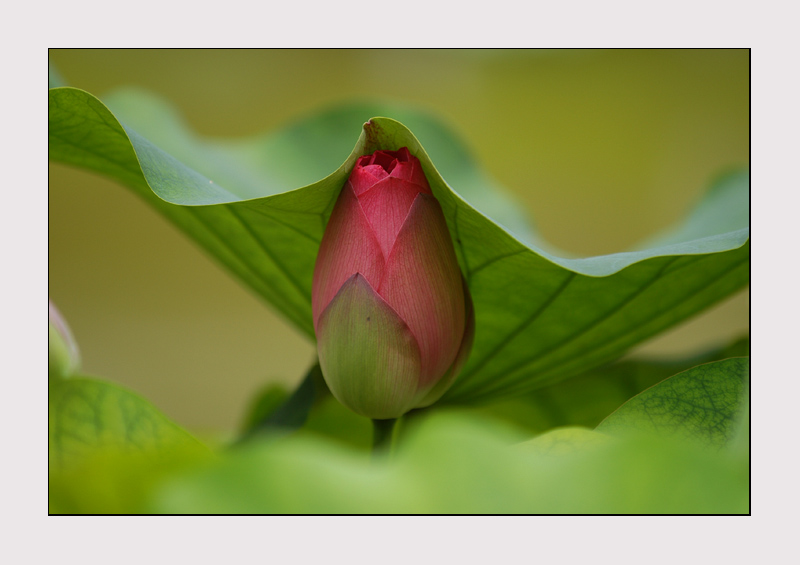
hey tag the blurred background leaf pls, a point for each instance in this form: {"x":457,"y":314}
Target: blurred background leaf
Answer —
{"x":623,"y":143}
{"x":54,"y":78}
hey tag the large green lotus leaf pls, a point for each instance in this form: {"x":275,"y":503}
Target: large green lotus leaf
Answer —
{"x":456,"y":463}
{"x":702,"y":404}
{"x":260,"y":206}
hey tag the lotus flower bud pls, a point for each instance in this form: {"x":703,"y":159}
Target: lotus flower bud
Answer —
{"x":64,"y":358}
{"x":392,"y":313}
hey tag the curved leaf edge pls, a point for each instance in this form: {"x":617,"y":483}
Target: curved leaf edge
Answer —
{"x":78,"y":379}
{"x":743,"y":398}
{"x":375,"y":136}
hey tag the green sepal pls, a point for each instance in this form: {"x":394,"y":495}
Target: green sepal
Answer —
{"x":369,"y":357}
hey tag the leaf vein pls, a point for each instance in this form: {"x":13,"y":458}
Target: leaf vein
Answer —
{"x":519,"y":329}
{"x":575,"y":335}
{"x":281,"y":267}
{"x":287,"y":224}
{"x":683,"y":298}
{"x":494,"y":260}
{"x":266,"y":288}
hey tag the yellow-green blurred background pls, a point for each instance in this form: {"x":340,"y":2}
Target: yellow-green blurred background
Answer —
{"x":602,"y":147}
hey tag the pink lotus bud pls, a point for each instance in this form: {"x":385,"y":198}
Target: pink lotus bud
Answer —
{"x":392,"y":314}
{"x":63,"y":355}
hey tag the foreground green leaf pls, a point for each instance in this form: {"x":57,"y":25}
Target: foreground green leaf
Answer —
{"x":258,"y":206}
{"x":110,"y":481}
{"x":108,"y":448}
{"x":457,"y":464}
{"x":565,"y":440}
{"x":702,"y":404}
{"x":88,"y":416}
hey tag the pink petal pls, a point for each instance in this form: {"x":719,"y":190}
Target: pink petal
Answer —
{"x":348,"y":247}
{"x":461,"y":357}
{"x":386,"y":206}
{"x":369,"y":358}
{"x":363,"y":178}
{"x":386,"y":159}
{"x":411,"y":171}
{"x":423,"y":283}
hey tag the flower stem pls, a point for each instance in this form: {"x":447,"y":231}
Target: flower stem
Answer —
{"x":382,"y":436}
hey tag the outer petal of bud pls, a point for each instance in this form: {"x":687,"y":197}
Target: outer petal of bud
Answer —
{"x":369,"y":357}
